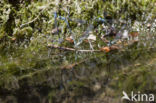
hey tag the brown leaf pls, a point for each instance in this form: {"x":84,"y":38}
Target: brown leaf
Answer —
{"x":113,"y":47}
{"x":134,"y":34}
{"x":70,"y":40}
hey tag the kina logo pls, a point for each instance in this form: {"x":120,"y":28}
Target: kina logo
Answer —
{"x":138,"y":97}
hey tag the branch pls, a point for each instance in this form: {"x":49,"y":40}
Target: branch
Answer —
{"x":72,"y":49}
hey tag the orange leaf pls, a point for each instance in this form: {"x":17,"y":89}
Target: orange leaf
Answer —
{"x":105,"y":49}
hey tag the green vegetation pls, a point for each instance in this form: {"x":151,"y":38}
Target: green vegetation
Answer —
{"x":31,"y":71}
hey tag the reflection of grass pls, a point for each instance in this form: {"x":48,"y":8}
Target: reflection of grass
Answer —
{"x":112,"y":72}
{"x":139,"y":76}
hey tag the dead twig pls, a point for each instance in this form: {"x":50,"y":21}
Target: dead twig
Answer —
{"x":72,"y":49}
